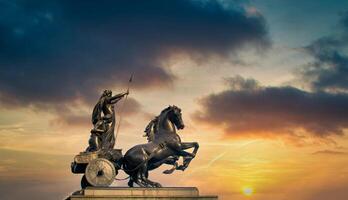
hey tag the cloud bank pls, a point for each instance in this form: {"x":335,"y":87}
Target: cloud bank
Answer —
{"x":56,"y":51}
{"x":329,"y":69}
{"x":248,"y":108}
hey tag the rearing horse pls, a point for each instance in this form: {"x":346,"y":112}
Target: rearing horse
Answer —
{"x":165,"y":147}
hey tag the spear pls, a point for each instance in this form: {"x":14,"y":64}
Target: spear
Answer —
{"x":121,"y":110}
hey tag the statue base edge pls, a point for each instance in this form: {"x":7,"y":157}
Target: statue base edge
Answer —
{"x":126,"y":193}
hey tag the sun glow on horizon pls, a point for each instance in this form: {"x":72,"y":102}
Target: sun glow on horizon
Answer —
{"x":248,"y":191}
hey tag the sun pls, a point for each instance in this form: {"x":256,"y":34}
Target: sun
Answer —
{"x":248,"y":191}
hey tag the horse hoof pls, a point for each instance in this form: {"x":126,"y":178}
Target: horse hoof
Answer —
{"x":168,"y":171}
{"x":130,"y":184}
{"x":157,"y":185}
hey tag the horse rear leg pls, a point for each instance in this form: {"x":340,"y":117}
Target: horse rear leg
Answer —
{"x":131,"y":182}
{"x":145,"y":175}
{"x":138,"y":180}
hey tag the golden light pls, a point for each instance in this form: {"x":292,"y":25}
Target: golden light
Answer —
{"x":248,"y":191}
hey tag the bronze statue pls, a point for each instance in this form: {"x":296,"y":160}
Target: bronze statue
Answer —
{"x":100,"y":162}
{"x":103,"y":119}
{"x":164,"y":147}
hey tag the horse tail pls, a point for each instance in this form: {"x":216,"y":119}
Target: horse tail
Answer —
{"x":120,"y":166}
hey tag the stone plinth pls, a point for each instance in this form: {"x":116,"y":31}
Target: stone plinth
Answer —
{"x":125,"y":193}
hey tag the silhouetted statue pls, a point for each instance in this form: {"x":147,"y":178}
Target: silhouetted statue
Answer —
{"x":104,"y":120}
{"x":164,"y":147}
{"x":100,"y":162}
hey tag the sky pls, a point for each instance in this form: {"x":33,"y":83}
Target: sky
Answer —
{"x":263,"y":87}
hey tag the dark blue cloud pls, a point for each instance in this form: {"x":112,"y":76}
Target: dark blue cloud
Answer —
{"x":329,"y":69}
{"x":54,"y":51}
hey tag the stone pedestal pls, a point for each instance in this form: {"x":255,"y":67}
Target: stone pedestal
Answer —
{"x":125,"y":193}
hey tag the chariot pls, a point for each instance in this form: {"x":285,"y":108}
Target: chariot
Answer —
{"x":100,"y":162}
{"x":98,"y":168}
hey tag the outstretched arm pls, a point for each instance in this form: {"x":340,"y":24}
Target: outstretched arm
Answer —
{"x":117,"y":97}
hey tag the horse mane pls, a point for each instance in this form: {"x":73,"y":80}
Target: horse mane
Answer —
{"x":165,"y":110}
{"x":151,"y":128}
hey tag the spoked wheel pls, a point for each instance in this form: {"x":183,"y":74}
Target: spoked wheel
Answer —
{"x":100,"y":172}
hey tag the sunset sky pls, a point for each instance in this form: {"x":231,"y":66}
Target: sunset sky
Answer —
{"x":263,"y":86}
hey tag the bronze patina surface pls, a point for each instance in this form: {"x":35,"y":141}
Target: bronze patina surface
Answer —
{"x":100,"y":162}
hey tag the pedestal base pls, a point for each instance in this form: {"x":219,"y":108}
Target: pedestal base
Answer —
{"x":123,"y":193}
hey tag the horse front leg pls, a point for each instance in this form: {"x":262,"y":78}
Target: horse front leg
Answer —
{"x":188,"y":145}
{"x":187,"y":155}
{"x":171,"y":160}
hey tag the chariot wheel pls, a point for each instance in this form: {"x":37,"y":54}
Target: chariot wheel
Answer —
{"x":100,"y":172}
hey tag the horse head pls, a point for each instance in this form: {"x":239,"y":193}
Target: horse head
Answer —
{"x":174,"y":115}
{"x":170,"y":114}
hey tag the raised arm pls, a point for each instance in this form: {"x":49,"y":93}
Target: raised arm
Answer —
{"x":117,"y":97}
